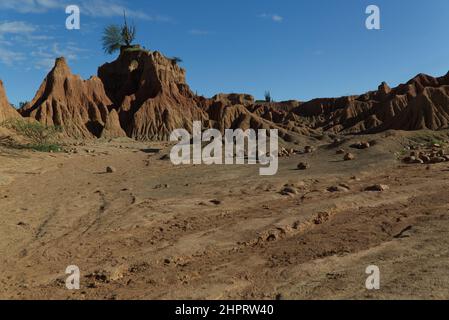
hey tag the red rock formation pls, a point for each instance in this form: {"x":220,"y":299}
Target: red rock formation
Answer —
{"x":79,"y":106}
{"x":6,"y":110}
{"x":421,"y":103}
{"x":151,"y":94}
{"x":112,"y":128}
{"x":144,"y":95}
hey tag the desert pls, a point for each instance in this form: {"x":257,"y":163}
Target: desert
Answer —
{"x":89,"y":181}
{"x":149,"y":229}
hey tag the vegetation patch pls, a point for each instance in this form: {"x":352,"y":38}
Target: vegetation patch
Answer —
{"x":41,"y":138}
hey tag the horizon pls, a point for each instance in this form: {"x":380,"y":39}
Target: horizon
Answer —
{"x":328,"y":52}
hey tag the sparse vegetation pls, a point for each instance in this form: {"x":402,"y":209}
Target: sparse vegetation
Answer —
{"x":116,"y":36}
{"x":41,"y":137}
{"x":23,"y":104}
{"x":268,"y":97}
{"x":176,"y":60}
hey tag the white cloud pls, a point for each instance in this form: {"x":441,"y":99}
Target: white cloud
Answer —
{"x":272,"y":17}
{"x":16,"y":27}
{"x":94,"y":8}
{"x":44,"y":56}
{"x":9,"y":57}
{"x":20,"y":42}
{"x":30,"y":6}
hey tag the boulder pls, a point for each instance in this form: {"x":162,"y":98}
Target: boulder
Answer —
{"x":349,"y":157}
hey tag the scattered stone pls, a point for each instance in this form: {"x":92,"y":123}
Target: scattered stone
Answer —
{"x":289,"y":190}
{"x":162,"y":186}
{"x":437,"y":159}
{"x":283,"y":152}
{"x":111,"y":170}
{"x":309,"y":149}
{"x":341,"y":151}
{"x":413,"y":160}
{"x":303,"y":166}
{"x":349,"y":157}
{"x":361,"y":145}
{"x":425,"y":158}
{"x":377,"y":188}
{"x":344,"y":185}
{"x":338,"y":188}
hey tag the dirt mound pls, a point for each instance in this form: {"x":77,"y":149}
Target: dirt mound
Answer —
{"x":421,"y":103}
{"x":151,"y":94}
{"x":79,"y":106}
{"x":6,"y":110}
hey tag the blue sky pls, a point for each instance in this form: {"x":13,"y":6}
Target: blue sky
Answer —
{"x":297,"y":49}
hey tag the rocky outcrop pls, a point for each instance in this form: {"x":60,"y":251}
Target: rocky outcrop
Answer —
{"x":234,"y":99}
{"x":78,"y":106}
{"x":144,"y":95}
{"x":6,"y":110}
{"x":112,"y":128}
{"x":421,"y":103}
{"x":150,"y":94}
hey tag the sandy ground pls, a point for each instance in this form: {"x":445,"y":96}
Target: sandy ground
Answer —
{"x":154,"y":231}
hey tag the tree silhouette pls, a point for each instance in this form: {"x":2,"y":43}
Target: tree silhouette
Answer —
{"x":115,"y":36}
{"x":268,"y":97}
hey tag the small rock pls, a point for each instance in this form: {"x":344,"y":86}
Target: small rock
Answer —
{"x":377,"y":188}
{"x":309,"y":149}
{"x":425,"y":158}
{"x":337,"y":189}
{"x":361,"y":145}
{"x":111,"y":170}
{"x":341,"y":151}
{"x":289,"y":190}
{"x":162,"y":186}
{"x":303,"y":166}
{"x":437,"y":160}
{"x":365,"y":145}
{"x":349,"y":157}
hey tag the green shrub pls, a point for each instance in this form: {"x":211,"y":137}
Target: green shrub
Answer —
{"x":41,"y":137}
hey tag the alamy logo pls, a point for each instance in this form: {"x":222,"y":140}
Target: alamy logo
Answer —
{"x":73,"y":280}
{"x":373,"y":20}
{"x":73,"y":21}
{"x":373,"y":281}
{"x":188,"y":152}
